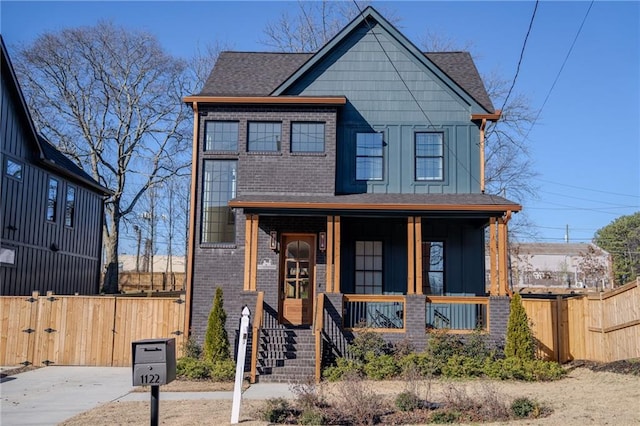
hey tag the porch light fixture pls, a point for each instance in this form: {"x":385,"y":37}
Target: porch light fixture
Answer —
{"x":273,"y":240}
{"x":322,"y":241}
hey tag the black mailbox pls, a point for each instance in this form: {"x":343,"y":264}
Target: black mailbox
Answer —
{"x":154,"y":361}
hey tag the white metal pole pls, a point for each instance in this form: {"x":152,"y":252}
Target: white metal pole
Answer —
{"x":242,"y":350}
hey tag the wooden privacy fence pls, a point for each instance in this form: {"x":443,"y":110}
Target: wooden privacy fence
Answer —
{"x":84,"y":330}
{"x":598,"y":327}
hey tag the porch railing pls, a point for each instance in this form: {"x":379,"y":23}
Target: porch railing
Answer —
{"x":457,"y":313}
{"x":379,"y":312}
{"x":257,"y":325}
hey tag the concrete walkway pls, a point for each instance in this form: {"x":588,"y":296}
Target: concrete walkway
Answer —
{"x":50,"y":395}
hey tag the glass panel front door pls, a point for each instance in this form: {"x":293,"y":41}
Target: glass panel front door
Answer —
{"x":296,"y":289}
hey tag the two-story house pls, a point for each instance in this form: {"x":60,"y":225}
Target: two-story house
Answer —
{"x":52,"y":211}
{"x":344,"y":188}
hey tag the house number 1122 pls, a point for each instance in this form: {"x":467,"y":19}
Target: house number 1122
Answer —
{"x":149,"y":379}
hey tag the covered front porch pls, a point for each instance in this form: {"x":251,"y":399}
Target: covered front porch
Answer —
{"x":374,"y":252}
{"x":401,"y":268}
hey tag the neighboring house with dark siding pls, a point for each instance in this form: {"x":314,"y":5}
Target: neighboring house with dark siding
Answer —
{"x":344,"y":188}
{"x":52,"y":211}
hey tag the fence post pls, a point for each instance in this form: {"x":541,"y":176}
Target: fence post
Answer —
{"x":558,"y":330}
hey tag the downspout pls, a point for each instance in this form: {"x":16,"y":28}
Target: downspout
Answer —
{"x":192,"y":223}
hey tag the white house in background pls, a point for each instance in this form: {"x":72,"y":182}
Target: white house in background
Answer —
{"x":161,"y":263}
{"x":560,"y":266}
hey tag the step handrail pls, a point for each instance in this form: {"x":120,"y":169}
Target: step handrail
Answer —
{"x":257,"y":325}
{"x":318,"y":328}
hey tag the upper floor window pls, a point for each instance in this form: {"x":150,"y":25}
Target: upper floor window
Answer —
{"x":264,"y":136}
{"x":13,"y":169}
{"x":433,"y":267}
{"x":429,"y":156}
{"x":307,"y":137}
{"x":219,"y":186}
{"x":368,"y":267}
{"x":70,"y":207}
{"x":369,"y":156}
{"x":221,"y":136}
{"x":52,"y":200}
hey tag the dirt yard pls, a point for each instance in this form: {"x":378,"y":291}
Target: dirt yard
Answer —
{"x":584,"y":397}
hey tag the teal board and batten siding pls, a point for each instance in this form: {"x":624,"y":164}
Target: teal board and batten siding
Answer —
{"x":464,"y":253}
{"x":75,"y":266}
{"x":379,"y":100}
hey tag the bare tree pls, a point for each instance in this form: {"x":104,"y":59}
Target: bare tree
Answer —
{"x":312,"y":24}
{"x":110,"y":98}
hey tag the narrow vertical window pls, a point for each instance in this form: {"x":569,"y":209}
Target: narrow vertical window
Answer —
{"x":221,"y":136}
{"x":433,"y":267}
{"x":369,"y":156}
{"x":429,"y":156}
{"x":13,"y":169}
{"x":368,"y":267}
{"x":52,"y":200}
{"x":219,"y":186}
{"x":70,"y":207}
{"x":307,"y":137}
{"x":264,"y":137}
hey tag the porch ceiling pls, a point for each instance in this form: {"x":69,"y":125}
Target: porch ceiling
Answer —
{"x":378,"y":203}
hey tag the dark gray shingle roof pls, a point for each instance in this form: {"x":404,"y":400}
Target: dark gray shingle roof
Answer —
{"x":259,"y":74}
{"x":251,"y":73}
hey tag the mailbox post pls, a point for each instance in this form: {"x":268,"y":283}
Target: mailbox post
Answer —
{"x":154,"y":364}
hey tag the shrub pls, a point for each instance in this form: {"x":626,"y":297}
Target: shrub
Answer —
{"x":216,"y":342}
{"x":367,"y":342}
{"x":524,"y":407}
{"x":445,"y":417}
{"x":191,"y":348}
{"x":422,"y":363}
{"x":463,"y":366}
{"x":223,"y":371}
{"x":380,"y":367}
{"x":407,"y":401}
{"x":527,"y":370}
{"x":475,"y":346}
{"x":192,"y":368}
{"x":342,"y":368}
{"x":311,"y":417}
{"x":357,"y":403}
{"x":308,"y":394}
{"x":275,"y":410}
{"x":520,"y":342}
{"x":442,"y":346}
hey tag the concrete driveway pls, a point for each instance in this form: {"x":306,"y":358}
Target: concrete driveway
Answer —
{"x":50,"y":395}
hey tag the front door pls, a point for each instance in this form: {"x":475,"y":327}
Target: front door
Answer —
{"x":296,"y":279}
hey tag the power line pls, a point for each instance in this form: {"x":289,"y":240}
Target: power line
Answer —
{"x":588,"y":189}
{"x":590,"y":200}
{"x":566,"y":58}
{"x":524,"y":45}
